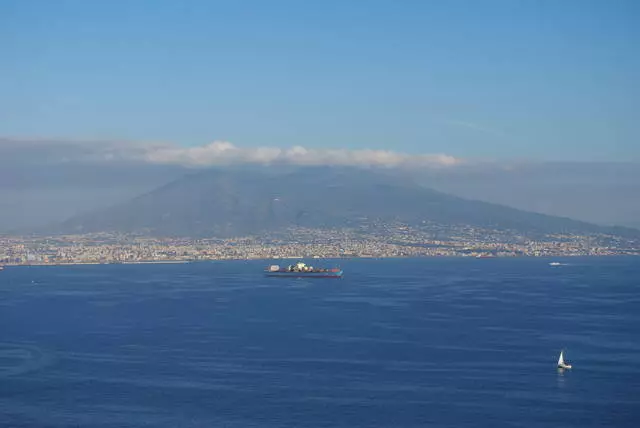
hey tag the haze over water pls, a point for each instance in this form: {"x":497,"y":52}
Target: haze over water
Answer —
{"x":395,"y":343}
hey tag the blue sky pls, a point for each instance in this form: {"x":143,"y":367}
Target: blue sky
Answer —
{"x":544,"y":80}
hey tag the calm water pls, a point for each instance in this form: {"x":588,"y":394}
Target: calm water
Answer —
{"x":396,"y":343}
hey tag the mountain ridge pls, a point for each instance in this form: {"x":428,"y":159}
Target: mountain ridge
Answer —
{"x":227,"y":202}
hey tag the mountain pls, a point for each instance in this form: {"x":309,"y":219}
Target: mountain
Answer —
{"x":239,"y":202}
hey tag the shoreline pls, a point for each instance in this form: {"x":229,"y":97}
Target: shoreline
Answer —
{"x":151,"y":262}
{"x":160,"y":262}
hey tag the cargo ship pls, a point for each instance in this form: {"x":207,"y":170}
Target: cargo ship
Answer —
{"x":301,"y":270}
{"x":485,"y":256}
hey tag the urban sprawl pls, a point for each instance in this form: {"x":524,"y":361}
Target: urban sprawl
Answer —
{"x":377,"y":241}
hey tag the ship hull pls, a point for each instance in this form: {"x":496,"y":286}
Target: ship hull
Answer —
{"x":285,"y":274}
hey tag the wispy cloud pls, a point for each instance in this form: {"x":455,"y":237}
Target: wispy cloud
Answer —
{"x":18,"y":151}
{"x":476,"y":127}
{"x":215,"y":153}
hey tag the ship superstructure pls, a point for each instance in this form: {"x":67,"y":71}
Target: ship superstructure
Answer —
{"x":300,"y":269}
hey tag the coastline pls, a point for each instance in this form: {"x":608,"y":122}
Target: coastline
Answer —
{"x":149,"y":262}
{"x":364,"y":257}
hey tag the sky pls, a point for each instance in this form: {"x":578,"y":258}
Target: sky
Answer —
{"x":540,"y":80}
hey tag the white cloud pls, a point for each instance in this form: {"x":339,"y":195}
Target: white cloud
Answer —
{"x":222,"y":152}
{"x":212,"y":154}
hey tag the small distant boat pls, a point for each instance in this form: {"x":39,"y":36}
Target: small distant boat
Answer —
{"x":561,"y":363}
{"x":485,"y":256}
{"x":555,"y":264}
{"x":301,"y":270}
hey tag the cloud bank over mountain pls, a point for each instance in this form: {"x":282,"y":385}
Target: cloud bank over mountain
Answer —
{"x":213,"y":154}
{"x":47,"y":180}
{"x":44,"y":180}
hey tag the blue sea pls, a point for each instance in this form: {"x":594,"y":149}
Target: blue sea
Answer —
{"x":401,"y":343}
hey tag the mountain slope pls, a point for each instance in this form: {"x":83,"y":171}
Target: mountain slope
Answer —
{"x":227,"y":203}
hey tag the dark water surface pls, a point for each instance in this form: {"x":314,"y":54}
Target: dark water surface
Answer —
{"x":396,"y":343}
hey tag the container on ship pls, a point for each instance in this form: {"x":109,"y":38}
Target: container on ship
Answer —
{"x":301,"y":270}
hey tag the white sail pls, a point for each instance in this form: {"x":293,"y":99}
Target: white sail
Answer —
{"x":561,"y":360}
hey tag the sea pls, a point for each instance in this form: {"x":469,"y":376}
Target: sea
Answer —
{"x":402,"y":343}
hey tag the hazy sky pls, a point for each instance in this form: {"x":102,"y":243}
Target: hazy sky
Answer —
{"x":505,"y":79}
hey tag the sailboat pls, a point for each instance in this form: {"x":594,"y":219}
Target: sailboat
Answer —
{"x":561,"y":363}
